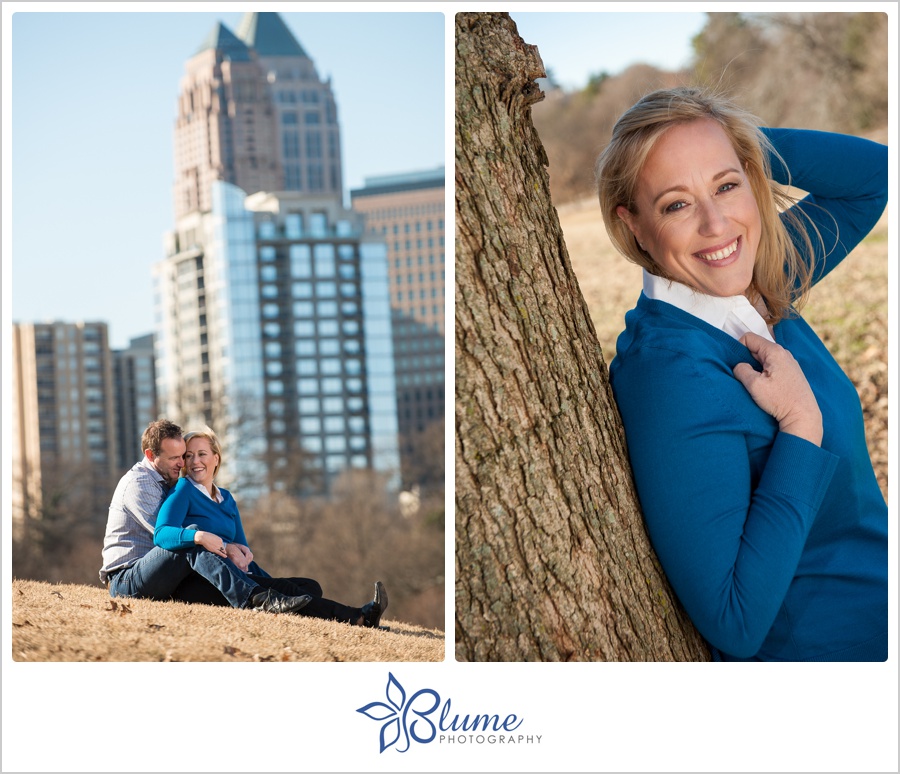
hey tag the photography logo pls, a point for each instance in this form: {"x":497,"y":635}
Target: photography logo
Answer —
{"x":424,"y":719}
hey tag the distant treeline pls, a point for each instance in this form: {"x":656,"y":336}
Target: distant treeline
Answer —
{"x":825,"y":71}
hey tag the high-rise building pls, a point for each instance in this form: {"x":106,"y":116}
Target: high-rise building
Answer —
{"x":254,"y":112}
{"x":134,"y":385}
{"x":275,"y":329}
{"x":273,"y":310}
{"x":309,"y":143}
{"x":63,"y":424}
{"x":407,"y":211}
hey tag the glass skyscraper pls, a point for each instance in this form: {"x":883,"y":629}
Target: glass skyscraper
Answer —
{"x":273,"y":310}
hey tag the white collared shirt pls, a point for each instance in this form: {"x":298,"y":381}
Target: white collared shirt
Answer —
{"x":734,"y":315}
{"x":219,"y":496}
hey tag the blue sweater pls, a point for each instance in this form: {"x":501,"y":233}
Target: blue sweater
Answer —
{"x":777,"y":548}
{"x":188,"y":505}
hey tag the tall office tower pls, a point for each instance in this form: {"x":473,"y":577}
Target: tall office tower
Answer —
{"x":63,"y":423}
{"x":274,"y":329}
{"x":134,"y":380}
{"x":226,"y":127}
{"x":253,"y":112}
{"x":309,"y":134}
{"x":407,"y":211}
{"x":273,"y":312}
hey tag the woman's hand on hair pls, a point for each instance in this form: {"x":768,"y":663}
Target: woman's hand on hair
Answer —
{"x":781,"y":390}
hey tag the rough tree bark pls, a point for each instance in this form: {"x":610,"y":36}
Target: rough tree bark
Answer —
{"x":552,"y":560}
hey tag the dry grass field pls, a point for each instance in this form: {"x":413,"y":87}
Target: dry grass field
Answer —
{"x":70,"y":622}
{"x":848,"y":309}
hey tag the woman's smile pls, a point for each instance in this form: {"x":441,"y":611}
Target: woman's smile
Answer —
{"x":720,"y":254}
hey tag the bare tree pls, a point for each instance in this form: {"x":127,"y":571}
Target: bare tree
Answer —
{"x":552,"y":561}
{"x":819,"y":70}
{"x":57,"y":541}
{"x":353,"y":538}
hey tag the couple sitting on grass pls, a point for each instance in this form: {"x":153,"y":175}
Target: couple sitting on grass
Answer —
{"x":173,"y":534}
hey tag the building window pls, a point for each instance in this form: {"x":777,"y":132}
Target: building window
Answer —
{"x":325,"y":261}
{"x":302,"y":290}
{"x":331,"y":386}
{"x":334,"y":424}
{"x":330,"y":366}
{"x":307,"y":386}
{"x":309,"y":406}
{"x":310,"y":426}
{"x":333,"y":405}
{"x":301,"y":261}
{"x":293,"y":226}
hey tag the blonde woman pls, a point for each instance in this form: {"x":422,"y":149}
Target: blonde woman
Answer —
{"x":215,"y":530}
{"x":745,"y":437}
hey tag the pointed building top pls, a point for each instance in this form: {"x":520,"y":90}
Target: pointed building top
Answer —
{"x":269,"y":35}
{"x":223,"y":39}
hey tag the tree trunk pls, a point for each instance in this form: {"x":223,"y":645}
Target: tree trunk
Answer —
{"x":552,"y":560}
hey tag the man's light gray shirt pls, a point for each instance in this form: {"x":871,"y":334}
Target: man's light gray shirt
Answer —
{"x":132,"y":517}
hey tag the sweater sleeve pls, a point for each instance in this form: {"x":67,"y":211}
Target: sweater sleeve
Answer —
{"x":727,"y":515}
{"x":846,"y":179}
{"x":170,"y":533}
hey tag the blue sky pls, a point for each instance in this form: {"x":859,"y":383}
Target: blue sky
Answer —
{"x":575,"y":46}
{"x":93,"y":106}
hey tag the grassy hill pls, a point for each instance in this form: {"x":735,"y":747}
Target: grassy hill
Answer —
{"x":70,"y":622}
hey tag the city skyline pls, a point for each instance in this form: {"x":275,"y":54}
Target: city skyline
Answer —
{"x":94,"y":163}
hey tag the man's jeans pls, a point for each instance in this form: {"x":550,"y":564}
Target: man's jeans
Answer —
{"x":158,"y":573}
{"x":199,"y":576}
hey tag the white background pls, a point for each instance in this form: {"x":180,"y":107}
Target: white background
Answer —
{"x":591,"y":717}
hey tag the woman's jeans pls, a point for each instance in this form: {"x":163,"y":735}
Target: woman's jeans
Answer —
{"x":162,"y":575}
{"x":157,"y":575}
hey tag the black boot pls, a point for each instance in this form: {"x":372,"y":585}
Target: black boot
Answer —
{"x":270,"y":601}
{"x":372,"y":611}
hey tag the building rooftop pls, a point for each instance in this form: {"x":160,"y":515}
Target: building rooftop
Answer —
{"x":408,"y":181}
{"x":223,"y":39}
{"x":268,"y":35}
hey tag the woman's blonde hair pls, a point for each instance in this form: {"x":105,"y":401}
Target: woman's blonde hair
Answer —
{"x":781,"y":274}
{"x":214,"y":445}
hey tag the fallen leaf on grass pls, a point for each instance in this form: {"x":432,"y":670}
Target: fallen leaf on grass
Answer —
{"x":57,"y":594}
{"x":115,"y":607}
{"x":228,"y":650}
{"x":24,"y":623}
{"x":156,"y":627}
